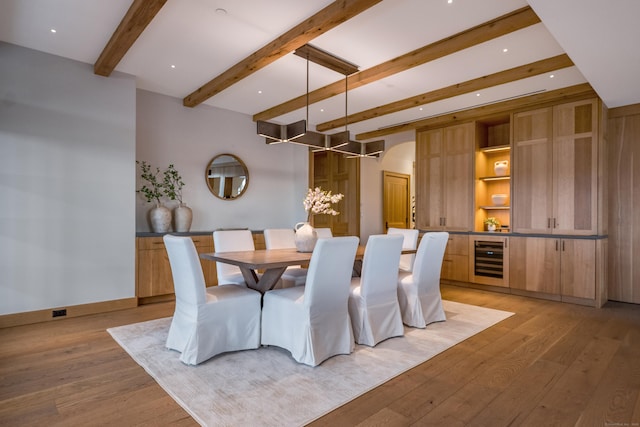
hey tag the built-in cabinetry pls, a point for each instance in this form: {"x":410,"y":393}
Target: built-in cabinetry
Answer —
{"x":444,"y":169}
{"x":552,"y":164}
{"x":456,"y":259}
{"x":153,"y":272}
{"x":567,"y":269}
{"x":556,"y":169}
{"x":492,"y":173}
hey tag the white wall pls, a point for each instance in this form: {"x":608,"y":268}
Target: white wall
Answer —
{"x":398,"y":157}
{"x":168,"y":132}
{"x":67,"y":151}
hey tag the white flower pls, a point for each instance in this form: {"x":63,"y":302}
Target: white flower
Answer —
{"x":319,"y":201}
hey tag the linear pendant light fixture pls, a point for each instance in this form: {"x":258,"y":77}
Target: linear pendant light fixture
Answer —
{"x":297,"y":132}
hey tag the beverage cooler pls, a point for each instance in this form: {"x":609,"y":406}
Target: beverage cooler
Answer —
{"x":489,"y":260}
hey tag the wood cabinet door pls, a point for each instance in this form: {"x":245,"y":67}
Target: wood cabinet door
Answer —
{"x":457,"y":189}
{"x":575,"y":168}
{"x":456,"y":259}
{"x":444,"y":178}
{"x":154,"y":271}
{"x":578,"y":268}
{"x":534,"y":264}
{"x":531,"y":200}
{"x":429,"y":176}
{"x":335,"y":172}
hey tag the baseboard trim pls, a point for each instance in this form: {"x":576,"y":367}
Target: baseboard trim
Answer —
{"x":39,"y":316}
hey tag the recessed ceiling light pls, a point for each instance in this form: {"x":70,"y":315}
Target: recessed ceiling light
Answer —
{"x":53,"y":30}
{"x":477,"y":94}
{"x":420,"y":108}
{"x":551,"y":76}
{"x":322,"y":110}
{"x":259,"y":92}
{"x":173,"y":66}
{"x":505,"y":50}
{"x":221,"y":11}
{"x":449,"y":1}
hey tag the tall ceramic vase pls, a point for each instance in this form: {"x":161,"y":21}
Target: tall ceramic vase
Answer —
{"x":306,"y":237}
{"x":182,"y":217}
{"x":160,"y":218}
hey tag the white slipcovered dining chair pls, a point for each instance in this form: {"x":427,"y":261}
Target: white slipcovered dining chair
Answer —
{"x":312,"y":321}
{"x":419,"y":291}
{"x":284,"y":238}
{"x":373,"y":300}
{"x":208,"y":321}
{"x":323,"y":233}
{"x":231,"y":241}
{"x":410,"y":242}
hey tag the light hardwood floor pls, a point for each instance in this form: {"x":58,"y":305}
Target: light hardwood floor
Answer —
{"x":550,"y":364}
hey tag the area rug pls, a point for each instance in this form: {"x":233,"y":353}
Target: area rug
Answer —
{"x":266,"y":387}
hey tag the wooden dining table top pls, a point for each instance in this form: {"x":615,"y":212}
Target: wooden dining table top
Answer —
{"x":266,"y":258}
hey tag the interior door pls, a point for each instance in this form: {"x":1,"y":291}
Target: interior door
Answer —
{"x":395,"y":200}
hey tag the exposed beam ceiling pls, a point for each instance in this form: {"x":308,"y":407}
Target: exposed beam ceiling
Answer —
{"x":419,"y":59}
{"x":139,"y":15}
{"x":524,"y":71}
{"x":489,"y":30}
{"x":329,"y":17}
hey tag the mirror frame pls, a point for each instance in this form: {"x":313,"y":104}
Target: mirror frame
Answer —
{"x":244,"y":167}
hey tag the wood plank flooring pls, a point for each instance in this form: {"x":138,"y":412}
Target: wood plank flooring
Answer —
{"x":550,"y":364}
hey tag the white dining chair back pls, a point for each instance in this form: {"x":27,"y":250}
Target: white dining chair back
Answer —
{"x":284,"y":238}
{"x":312,"y":322}
{"x":373,"y":301}
{"x":410,"y":241}
{"x":231,"y":241}
{"x":207,"y":321}
{"x":419,"y":291}
{"x":323,"y":233}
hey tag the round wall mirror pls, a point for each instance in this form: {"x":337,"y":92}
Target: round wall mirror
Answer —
{"x":227,"y":176}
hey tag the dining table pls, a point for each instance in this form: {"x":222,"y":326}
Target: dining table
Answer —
{"x":272,"y":263}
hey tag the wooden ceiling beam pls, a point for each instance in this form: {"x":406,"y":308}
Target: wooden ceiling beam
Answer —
{"x":502,"y":77}
{"x":329,"y":17}
{"x":537,"y":100}
{"x":498,"y":27}
{"x":139,"y":15}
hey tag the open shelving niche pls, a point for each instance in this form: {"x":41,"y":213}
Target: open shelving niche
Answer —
{"x":493,"y":144}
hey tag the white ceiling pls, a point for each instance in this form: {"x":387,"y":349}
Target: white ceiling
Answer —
{"x":600,"y":36}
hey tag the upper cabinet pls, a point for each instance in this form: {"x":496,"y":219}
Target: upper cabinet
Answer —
{"x":444,"y":177}
{"x":555,"y":169}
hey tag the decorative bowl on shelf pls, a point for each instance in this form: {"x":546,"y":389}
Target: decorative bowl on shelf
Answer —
{"x":499,"y":199}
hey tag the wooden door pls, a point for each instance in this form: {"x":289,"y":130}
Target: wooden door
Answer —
{"x":531,"y":200}
{"x":340,"y":174}
{"x":534,"y":264}
{"x":458,"y":175}
{"x":429,"y":177}
{"x":575,"y":168}
{"x":578,"y":268}
{"x":395,"y":200}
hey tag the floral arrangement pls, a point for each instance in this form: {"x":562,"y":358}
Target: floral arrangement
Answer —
{"x":318,"y":201}
{"x":152,"y":188}
{"x":173,"y":184}
{"x":492,"y":221}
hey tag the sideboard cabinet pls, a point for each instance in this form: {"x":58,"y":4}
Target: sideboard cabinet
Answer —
{"x":153,"y":271}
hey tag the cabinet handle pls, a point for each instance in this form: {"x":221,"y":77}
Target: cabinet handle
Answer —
{"x":506,"y":243}
{"x":548,"y":222}
{"x":556,"y":246}
{"x":563,"y":246}
{"x":444,"y":220}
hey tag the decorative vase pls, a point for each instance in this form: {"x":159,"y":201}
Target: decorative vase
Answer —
{"x":500,"y":168}
{"x":160,"y":218}
{"x":306,"y":237}
{"x":182,"y":217}
{"x":491,"y":227}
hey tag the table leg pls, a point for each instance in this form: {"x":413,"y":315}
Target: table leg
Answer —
{"x":266,"y":281}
